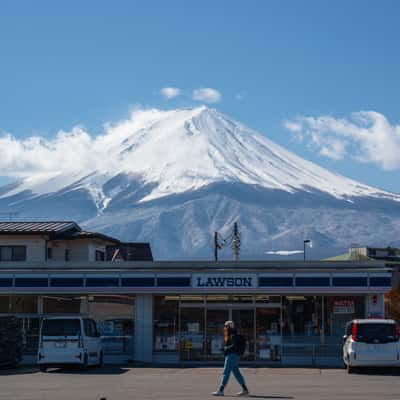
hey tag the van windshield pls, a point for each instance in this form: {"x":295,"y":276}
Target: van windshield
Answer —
{"x":376,"y":333}
{"x":61,"y":327}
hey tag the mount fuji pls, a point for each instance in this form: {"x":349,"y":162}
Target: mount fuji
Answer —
{"x":174,"y":177}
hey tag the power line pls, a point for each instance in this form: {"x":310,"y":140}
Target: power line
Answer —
{"x":233,"y":239}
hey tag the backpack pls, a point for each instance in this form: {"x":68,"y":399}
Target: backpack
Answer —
{"x":241,"y":343}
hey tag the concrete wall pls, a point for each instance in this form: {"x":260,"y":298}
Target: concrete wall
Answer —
{"x":79,"y":250}
{"x":144,"y":328}
{"x":35,"y":245}
{"x":375,"y":306}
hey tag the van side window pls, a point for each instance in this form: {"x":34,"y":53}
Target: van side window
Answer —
{"x":94,"y":328}
{"x":90,"y":328}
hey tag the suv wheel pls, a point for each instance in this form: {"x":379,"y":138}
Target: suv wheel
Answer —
{"x":43,"y":367}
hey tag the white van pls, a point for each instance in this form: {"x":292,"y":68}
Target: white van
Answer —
{"x":69,"y":341}
{"x":371,"y":343}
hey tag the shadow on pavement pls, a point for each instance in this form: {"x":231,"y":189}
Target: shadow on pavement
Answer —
{"x":110,"y":370}
{"x":256,"y":396}
{"x":378,"y":371}
{"x":18,"y":371}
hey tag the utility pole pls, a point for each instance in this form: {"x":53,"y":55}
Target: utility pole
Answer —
{"x":216,"y":246}
{"x":236,"y":242}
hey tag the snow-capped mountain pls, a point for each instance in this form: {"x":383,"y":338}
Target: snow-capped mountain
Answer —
{"x":173,"y":177}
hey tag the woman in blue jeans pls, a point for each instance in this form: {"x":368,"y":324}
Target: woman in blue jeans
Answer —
{"x":231,"y":361}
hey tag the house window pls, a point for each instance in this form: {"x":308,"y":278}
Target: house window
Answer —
{"x":100,"y":255}
{"x":12,"y":253}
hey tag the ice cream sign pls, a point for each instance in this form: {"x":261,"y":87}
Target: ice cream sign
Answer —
{"x":224,"y":281}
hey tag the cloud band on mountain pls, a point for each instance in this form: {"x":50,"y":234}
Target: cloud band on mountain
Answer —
{"x":366,"y":136}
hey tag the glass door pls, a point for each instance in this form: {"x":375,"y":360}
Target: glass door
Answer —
{"x":244,"y":323}
{"x":191,"y":334}
{"x":215,"y":333}
{"x":268,"y":334}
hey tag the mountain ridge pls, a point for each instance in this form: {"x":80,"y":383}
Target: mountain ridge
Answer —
{"x":162,"y":163}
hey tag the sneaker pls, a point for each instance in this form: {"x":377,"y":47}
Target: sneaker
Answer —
{"x":243,"y":392}
{"x":219,"y":392}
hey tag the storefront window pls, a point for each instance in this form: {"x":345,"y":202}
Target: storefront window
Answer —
{"x":114,"y":316}
{"x":215,"y":333}
{"x":302,"y":319}
{"x":244,"y":323}
{"x":191,"y":333}
{"x":339,"y":310}
{"x":166,"y":323}
{"x":268,"y":334}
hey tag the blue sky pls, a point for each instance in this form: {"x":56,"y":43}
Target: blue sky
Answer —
{"x":274,"y":63}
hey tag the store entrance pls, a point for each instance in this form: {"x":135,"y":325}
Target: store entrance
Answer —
{"x":201,"y":330}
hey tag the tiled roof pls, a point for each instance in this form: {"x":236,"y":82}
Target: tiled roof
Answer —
{"x":38,"y":227}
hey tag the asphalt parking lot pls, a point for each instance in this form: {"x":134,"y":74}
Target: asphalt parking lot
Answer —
{"x":120,"y":383}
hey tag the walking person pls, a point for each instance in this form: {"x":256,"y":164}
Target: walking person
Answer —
{"x":233,"y":347}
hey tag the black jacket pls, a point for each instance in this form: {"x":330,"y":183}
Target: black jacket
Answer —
{"x":230,"y":347}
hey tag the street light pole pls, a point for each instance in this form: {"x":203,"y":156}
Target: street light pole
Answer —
{"x":307,"y":241}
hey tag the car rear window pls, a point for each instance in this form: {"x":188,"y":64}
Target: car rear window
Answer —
{"x":61,"y":327}
{"x":372,"y":333}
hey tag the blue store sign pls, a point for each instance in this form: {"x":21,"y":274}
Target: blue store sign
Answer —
{"x":220,"y":281}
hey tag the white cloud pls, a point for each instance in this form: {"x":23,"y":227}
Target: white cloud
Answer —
{"x":70,"y":152}
{"x":285,"y":252}
{"x":366,"y":136}
{"x":170,"y":92}
{"x":208,"y":95}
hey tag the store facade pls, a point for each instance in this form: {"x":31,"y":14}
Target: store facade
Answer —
{"x":173,"y":312}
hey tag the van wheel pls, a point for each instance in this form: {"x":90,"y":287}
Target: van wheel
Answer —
{"x":43,"y":367}
{"x":101,"y":360}
{"x":85,"y":362}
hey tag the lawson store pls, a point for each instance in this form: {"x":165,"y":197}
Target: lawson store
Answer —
{"x":173,"y":312}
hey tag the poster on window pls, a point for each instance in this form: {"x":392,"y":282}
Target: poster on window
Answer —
{"x":216,"y":345}
{"x":343,"y":306}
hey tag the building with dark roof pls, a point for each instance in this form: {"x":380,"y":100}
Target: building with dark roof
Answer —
{"x":35,"y":241}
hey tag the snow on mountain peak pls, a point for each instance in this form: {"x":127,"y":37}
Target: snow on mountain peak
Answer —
{"x":186,"y":149}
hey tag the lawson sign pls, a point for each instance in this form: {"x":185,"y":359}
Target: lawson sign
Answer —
{"x":224,"y":281}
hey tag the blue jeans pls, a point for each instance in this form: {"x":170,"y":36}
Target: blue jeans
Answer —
{"x":232,"y":365}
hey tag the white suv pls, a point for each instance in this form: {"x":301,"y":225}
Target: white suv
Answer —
{"x":371,"y":343}
{"x":69,"y":341}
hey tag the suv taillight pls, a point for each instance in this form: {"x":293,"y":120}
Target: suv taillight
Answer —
{"x":354,"y":332}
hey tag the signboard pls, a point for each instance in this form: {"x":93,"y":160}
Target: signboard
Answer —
{"x":224,"y":281}
{"x":343,"y":306}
